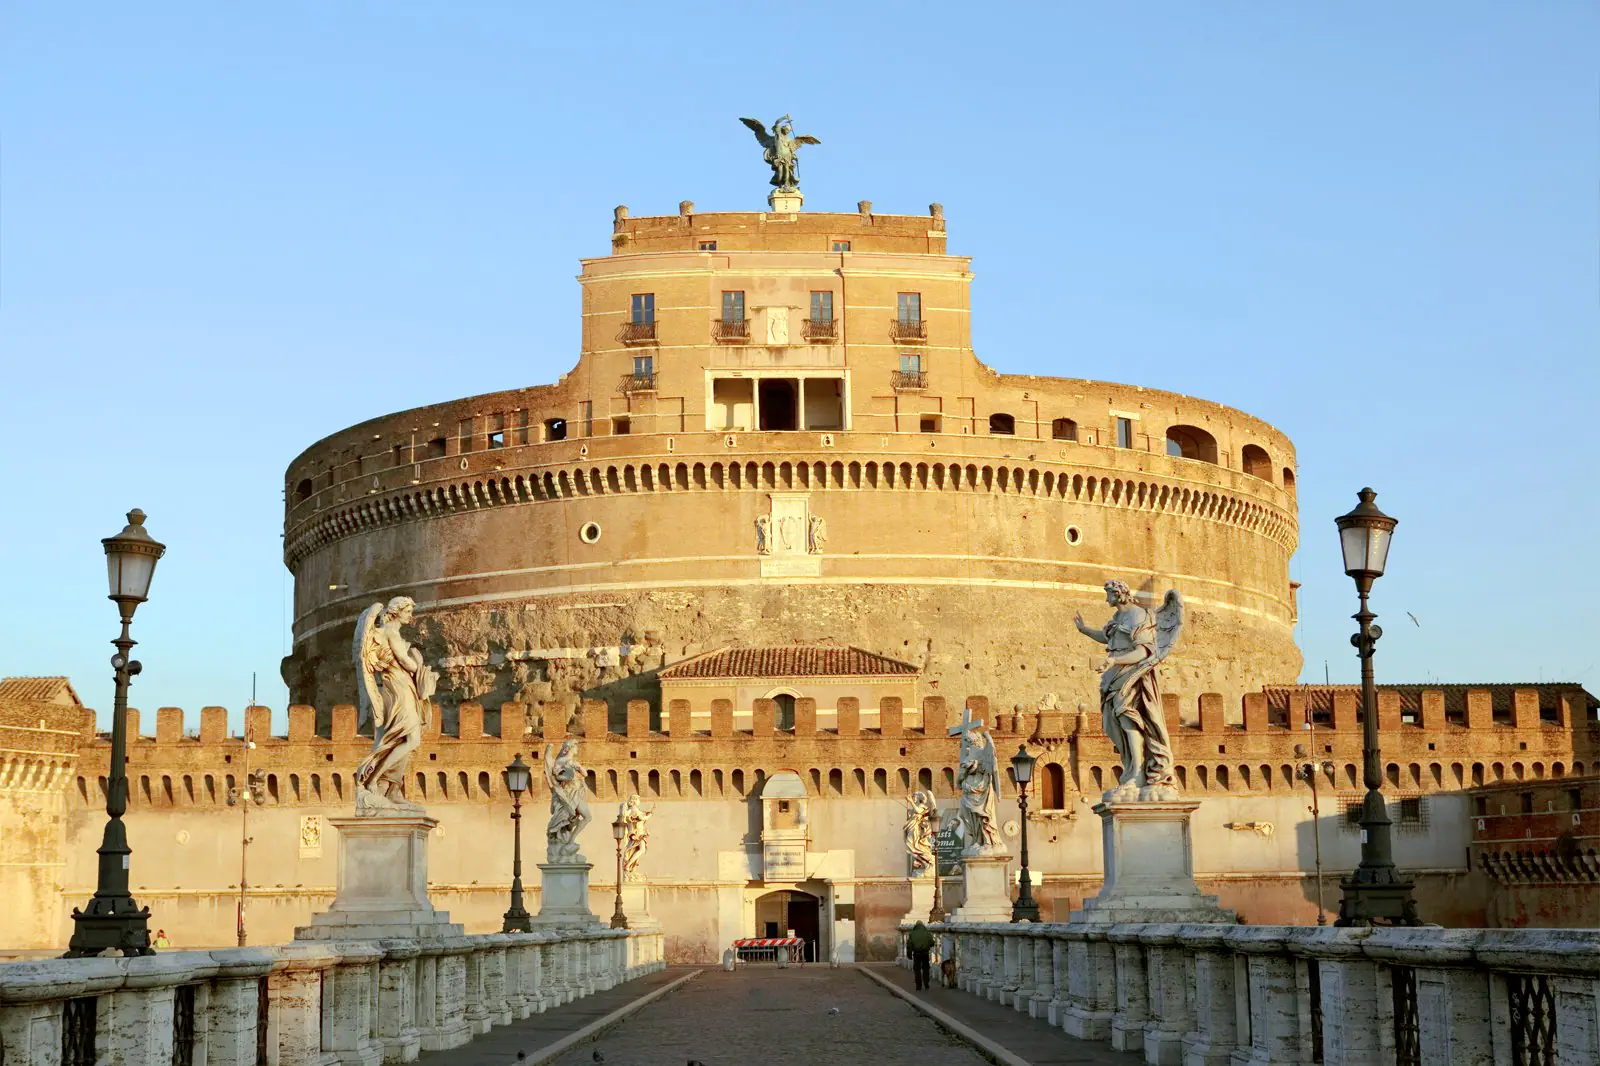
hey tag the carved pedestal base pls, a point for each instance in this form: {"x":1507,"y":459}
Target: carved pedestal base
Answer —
{"x":1149,"y":863}
{"x":988,"y":895}
{"x":636,"y":905}
{"x":785,"y":201}
{"x":383,"y":883}
{"x":564,"y":897}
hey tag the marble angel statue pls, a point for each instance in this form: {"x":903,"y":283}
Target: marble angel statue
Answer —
{"x":569,"y":802}
{"x":979,"y":782}
{"x":635,"y":818}
{"x":394,"y":686}
{"x":919,"y":832}
{"x":1136,"y":642}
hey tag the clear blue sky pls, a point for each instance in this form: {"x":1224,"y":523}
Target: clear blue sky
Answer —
{"x":229,"y":230}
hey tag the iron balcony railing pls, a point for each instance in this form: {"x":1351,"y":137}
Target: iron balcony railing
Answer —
{"x":637,"y":333}
{"x":909,"y":379}
{"x":638,"y":383}
{"x":820,"y":329}
{"x":731,"y":332}
{"x":909,"y":330}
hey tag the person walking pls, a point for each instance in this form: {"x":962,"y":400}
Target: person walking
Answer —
{"x":920,"y":942}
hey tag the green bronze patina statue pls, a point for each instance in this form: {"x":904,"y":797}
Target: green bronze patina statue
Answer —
{"x":782,"y":148}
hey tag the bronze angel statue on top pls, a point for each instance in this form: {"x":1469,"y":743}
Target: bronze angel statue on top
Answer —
{"x":782,"y":151}
{"x":394,"y":689}
{"x":1130,"y":700}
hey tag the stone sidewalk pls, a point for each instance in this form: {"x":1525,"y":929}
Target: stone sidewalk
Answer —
{"x":1030,"y":1040}
{"x":764,"y":1016}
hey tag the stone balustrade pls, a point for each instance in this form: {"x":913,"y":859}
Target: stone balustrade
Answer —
{"x":304,"y":1003}
{"x":1205,"y":995}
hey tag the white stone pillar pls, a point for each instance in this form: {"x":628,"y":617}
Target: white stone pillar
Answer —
{"x":1216,"y":1014}
{"x":1022,"y":994}
{"x":494,"y":978}
{"x":1271,"y":996}
{"x":1006,"y":987}
{"x":1044,"y":974}
{"x":1091,"y":983}
{"x":231,"y":1007}
{"x":1055,"y":1013}
{"x":294,"y":1028}
{"x":1167,"y":1002}
{"x":477,"y":1011}
{"x":32,"y":1031}
{"x":1132,"y":1010}
{"x":1351,"y":1019}
{"x":451,"y":1028}
{"x":397,"y":1025}
{"x":134,"y":1028}
{"x":347,"y":1027}
{"x":518,"y":977}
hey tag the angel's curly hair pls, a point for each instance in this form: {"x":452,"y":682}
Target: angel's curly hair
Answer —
{"x":393,"y":608}
{"x":1120,"y":590}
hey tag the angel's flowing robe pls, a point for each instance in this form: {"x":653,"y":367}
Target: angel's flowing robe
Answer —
{"x":569,"y":810}
{"x":1129,"y":698}
{"x":979,"y":784}
{"x":396,"y":670}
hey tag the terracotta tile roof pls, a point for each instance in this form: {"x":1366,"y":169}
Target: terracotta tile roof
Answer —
{"x":39,"y":690}
{"x":826,"y":660}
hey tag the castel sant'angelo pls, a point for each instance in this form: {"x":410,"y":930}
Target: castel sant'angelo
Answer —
{"x":776,"y":531}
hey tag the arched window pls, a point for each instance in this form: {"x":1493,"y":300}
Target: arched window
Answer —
{"x":1191,"y":442}
{"x":1288,"y":478}
{"x":1064,"y":429}
{"x":1256,"y":462}
{"x":785,"y":711}
{"x":555,"y":429}
{"x":302,"y":491}
{"x":1003,"y":424}
{"x":1053,"y":788}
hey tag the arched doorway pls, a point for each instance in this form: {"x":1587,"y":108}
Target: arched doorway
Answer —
{"x":777,"y":913}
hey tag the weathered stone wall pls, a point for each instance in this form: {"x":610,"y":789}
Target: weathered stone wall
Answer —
{"x":39,"y":745}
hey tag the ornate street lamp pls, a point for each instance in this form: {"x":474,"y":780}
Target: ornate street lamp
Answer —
{"x":1309,"y":772}
{"x":619,"y":829}
{"x":517,"y":918}
{"x":113,"y":921}
{"x":1375,"y":894}
{"x":936,"y":913}
{"x":1024,"y":909}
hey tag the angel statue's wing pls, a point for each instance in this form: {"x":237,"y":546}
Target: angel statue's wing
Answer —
{"x":759,"y":130}
{"x":368,"y":699}
{"x":1169,"y":624}
{"x":806,"y":138}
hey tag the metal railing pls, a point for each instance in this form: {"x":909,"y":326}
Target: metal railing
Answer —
{"x":908,"y":330}
{"x":637,"y":333}
{"x":819,"y":329}
{"x":637,"y":383}
{"x":731,"y":332}
{"x":908,"y":379}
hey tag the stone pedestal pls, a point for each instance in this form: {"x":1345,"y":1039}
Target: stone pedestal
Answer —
{"x":988,"y":895}
{"x":564,"y":896}
{"x":921,"y":904}
{"x":785,"y":202}
{"x":1149,"y":863}
{"x":636,"y":905}
{"x":383,"y":883}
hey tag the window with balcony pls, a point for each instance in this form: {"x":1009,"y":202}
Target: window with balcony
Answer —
{"x":819,"y":326}
{"x":732,"y":326}
{"x":644,"y":366}
{"x":910,"y":374}
{"x":733,"y":306}
{"x":908,"y":324}
{"x":641,"y":325}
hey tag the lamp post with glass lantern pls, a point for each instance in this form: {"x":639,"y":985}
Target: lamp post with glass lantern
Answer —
{"x":517,"y":918}
{"x":619,"y":830}
{"x":1024,"y":909}
{"x":113,"y":921}
{"x":936,"y":912}
{"x":1375,"y":894}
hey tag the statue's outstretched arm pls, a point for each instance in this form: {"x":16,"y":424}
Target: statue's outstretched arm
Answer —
{"x":1098,"y":635}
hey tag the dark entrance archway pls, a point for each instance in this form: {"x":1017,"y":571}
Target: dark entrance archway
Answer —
{"x":778,"y":912}
{"x":779,"y":398}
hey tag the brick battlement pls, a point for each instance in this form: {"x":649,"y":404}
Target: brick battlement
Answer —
{"x":688,"y":743}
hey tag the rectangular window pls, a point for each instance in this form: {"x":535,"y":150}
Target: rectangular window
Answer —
{"x":465,"y":433}
{"x":588,"y":417}
{"x":1575,"y":799}
{"x":910,"y":364}
{"x":1480,"y":806}
{"x":930,"y":423}
{"x":1411,"y":810}
{"x":733,"y":307}
{"x":708,"y":246}
{"x":841,"y":246}
{"x":1527,"y":802}
{"x":644,"y":308}
{"x":1124,"y":432}
{"x":910,"y":307}
{"x":822,"y":307}
{"x":400,"y":455}
{"x":621,"y":427}
{"x":520,"y":424}
{"x":644,"y":366}
{"x":436,"y":448}
{"x":497,"y":439}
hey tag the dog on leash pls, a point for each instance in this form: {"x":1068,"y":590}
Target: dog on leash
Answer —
{"x":947,"y":973}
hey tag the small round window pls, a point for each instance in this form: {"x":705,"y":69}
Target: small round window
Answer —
{"x":590,"y":532}
{"x":1074,"y":535}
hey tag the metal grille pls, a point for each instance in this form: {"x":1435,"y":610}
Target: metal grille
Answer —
{"x":1407,"y":1047}
{"x":77,"y":1031}
{"x":183,"y":1026}
{"x":1533,"y":1019}
{"x":908,"y":330}
{"x":263,"y":1002}
{"x":819,"y":329}
{"x":908,"y":379}
{"x":1314,"y":991}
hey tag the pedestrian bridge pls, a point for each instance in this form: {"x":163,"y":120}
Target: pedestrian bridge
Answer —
{"x":1027,"y":993}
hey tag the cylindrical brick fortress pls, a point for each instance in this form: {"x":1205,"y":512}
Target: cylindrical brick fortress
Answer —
{"x":777,"y":431}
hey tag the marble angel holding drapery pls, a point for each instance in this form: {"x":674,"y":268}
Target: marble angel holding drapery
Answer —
{"x":394,"y":686}
{"x":569,"y":801}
